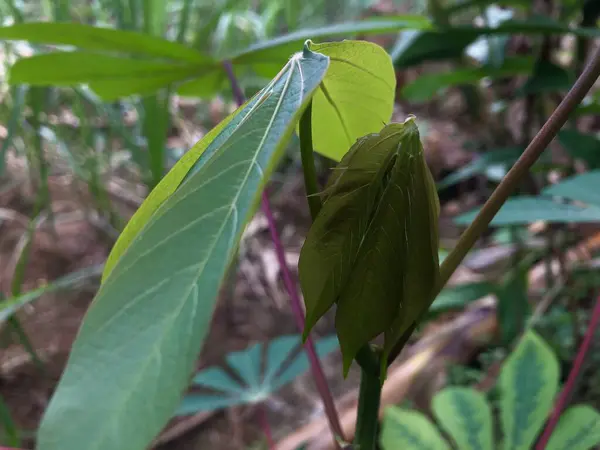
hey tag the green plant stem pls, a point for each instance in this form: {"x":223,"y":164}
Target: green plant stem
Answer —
{"x":367,"y":416}
{"x":308,"y":162}
{"x":510,"y":182}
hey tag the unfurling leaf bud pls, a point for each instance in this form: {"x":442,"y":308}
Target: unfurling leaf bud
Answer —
{"x":373,"y":248}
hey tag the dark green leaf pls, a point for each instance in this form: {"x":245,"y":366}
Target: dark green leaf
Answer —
{"x":102,"y":39}
{"x":504,"y":157}
{"x":587,"y":109}
{"x":577,"y":429}
{"x":373,"y":248}
{"x":513,"y":305}
{"x":427,"y":86}
{"x":262,"y":368}
{"x":466,"y":416}
{"x":524,"y":210}
{"x":141,"y":336}
{"x":403,"y":429}
{"x":547,"y":77}
{"x":456,"y":297}
{"x":582,"y":188}
{"x":581,"y":146}
{"x":528,"y":383}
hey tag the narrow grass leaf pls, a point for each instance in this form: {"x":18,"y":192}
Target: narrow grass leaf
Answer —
{"x":466,"y":416}
{"x":528,"y":384}
{"x":136,"y":348}
{"x":18,"y":99}
{"x":409,"y":430}
{"x":102,"y":39}
{"x":360,"y":73}
{"x":577,"y":429}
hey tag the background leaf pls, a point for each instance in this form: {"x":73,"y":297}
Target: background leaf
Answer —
{"x":582,"y":146}
{"x":355,"y":98}
{"x":282,"y":364}
{"x":466,"y":416}
{"x":582,"y":188}
{"x":577,"y":429}
{"x":144,"y":329}
{"x":457,"y":297}
{"x":409,"y":430}
{"x":524,"y":210}
{"x":528,"y":383}
{"x":102,"y":39}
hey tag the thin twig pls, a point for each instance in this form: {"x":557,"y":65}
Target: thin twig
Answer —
{"x":315,"y":365}
{"x":265,"y":426}
{"x":565,"y":395}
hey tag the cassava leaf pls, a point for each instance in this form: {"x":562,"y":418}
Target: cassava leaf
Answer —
{"x":524,"y":210}
{"x":528,"y":383}
{"x":409,"y":430}
{"x":139,"y":340}
{"x":373,"y":248}
{"x":466,"y":416}
{"x":282,"y":360}
{"x":577,"y":429}
{"x":581,"y":188}
{"x":102,"y":40}
{"x":360,"y":73}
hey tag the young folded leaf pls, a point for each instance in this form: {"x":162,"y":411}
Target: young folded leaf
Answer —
{"x":373,"y":248}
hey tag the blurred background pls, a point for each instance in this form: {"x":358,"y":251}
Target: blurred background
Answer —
{"x":76,"y":163}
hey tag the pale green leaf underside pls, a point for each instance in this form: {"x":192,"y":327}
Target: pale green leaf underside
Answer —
{"x":356,"y":97}
{"x":137,"y":345}
{"x":466,"y":416}
{"x":577,"y":429}
{"x":528,"y":383}
{"x":409,"y":430}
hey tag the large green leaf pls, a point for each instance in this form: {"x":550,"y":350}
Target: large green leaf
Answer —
{"x":547,"y":77}
{"x":524,"y":210}
{"x":167,"y":186}
{"x":102,"y":39}
{"x":136,"y":348}
{"x":373,"y":248}
{"x":109,"y":76}
{"x":528,"y":384}
{"x":355,"y":98}
{"x":582,"y":188}
{"x":466,"y":416}
{"x":577,"y":429}
{"x":263,"y":369}
{"x":582,"y":146}
{"x":409,"y":430}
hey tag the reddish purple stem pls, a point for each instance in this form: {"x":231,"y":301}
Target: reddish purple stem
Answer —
{"x":265,"y":426}
{"x":290,"y":285}
{"x":565,"y":395}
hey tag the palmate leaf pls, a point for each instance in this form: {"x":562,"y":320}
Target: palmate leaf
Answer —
{"x":528,"y":384}
{"x":344,"y":109}
{"x":466,"y":416}
{"x":409,"y":430}
{"x":282,"y":364}
{"x":373,"y":248}
{"x":577,"y":429}
{"x":136,"y":348}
